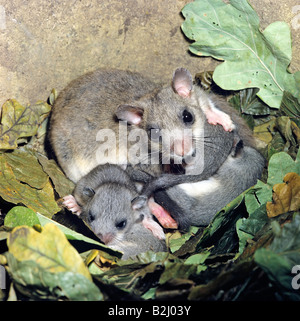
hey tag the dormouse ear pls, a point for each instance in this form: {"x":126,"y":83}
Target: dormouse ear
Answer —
{"x":132,"y":114}
{"x":139,"y":202}
{"x":182,"y":82}
{"x":88,"y":191}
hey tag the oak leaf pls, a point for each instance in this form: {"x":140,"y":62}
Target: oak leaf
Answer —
{"x":252,"y":58}
{"x":18,"y":122}
{"x":286,"y":196}
{"x":48,"y":248}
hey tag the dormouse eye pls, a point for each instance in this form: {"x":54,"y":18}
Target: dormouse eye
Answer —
{"x":187,"y":117}
{"x":121,"y":224}
{"x":154,"y":134}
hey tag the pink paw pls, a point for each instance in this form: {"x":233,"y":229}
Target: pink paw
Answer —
{"x":71,"y":204}
{"x":154,"y":227}
{"x":215,"y":116}
{"x":164,"y":217}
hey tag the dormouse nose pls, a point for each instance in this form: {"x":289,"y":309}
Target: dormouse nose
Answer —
{"x":182,"y":147}
{"x":106,"y":238}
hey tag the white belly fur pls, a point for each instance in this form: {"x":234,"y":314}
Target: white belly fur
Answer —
{"x":200,"y":188}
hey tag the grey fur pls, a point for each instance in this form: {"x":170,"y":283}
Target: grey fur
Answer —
{"x":85,"y":106}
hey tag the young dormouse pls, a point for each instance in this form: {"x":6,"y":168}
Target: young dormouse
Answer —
{"x":92,"y":106}
{"x":103,"y":199}
{"x":192,"y":202}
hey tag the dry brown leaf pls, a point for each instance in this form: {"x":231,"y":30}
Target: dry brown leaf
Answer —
{"x":286,"y":196}
{"x":17,"y":121}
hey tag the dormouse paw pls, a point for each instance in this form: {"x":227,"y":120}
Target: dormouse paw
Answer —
{"x":215,"y":116}
{"x":163,"y":216}
{"x":154,"y":227}
{"x":71,"y":204}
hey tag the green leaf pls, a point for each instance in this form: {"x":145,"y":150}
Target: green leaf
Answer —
{"x":62,"y":185}
{"x":248,"y":103}
{"x":284,"y":125}
{"x":255,"y":201}
{"x":20,"y":215}
{"x":280,"y":258}
{"x":147,"y":258}
{"x":279,"y":165}
{"x":256,"y":221}
{"x":249,"y":106}
{"x":17,"y":122}
{"x":49,"y":248}
{"x":243,"y":236}
{"x":26,"y":167}
{"x":34,"y":281}
{"x":221,"y":232}
{"x":14,"y":190}
{"x":288,"y":241}
{"x":290,"y":106}
{"x":286,"y":136}
{"x":228,"y":276}
{"x":177,"y":243}
{"x":231,"y":32}
{"x":3,"y":234}
{"x":133,"y":278}
{"x":256,"y":198}
{"x":198,"y":258}
{"x":75,"y":236}
{"x":177,"y":271}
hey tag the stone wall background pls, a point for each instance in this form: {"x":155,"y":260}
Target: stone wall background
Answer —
{"x":45,"y":44}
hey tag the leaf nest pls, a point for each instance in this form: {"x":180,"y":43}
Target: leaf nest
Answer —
{"x":251,"y":247}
